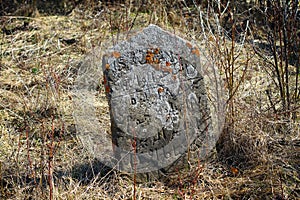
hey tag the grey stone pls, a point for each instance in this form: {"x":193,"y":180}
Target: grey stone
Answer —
{"x":158,"y":102}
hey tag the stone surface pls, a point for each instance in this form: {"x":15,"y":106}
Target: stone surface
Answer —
{"x":158,"y":102}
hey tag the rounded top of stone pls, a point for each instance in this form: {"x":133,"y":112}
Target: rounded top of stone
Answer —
{"x":155,"y":37}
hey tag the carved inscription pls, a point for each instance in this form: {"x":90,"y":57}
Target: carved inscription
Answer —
{"x":152,"y":93}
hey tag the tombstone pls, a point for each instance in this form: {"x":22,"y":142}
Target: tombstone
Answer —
{"x":160,"y":117}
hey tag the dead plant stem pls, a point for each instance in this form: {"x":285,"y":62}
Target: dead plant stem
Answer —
{"x":50,"y":161}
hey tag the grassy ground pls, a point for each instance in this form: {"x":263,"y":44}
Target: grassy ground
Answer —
{"x":41,"y":155}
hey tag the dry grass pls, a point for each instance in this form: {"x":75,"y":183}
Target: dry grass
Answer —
{"x":257,"y":159}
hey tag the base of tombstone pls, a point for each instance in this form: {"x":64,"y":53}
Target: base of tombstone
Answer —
{"x":128,"y":159}
{"x":165,"y":175}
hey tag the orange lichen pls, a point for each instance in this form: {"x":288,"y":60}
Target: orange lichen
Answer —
{"x":116,"y":54}
{"x":160,"y":90}
{"x":196,"y":51}
{"x":168,"y":64}
{"x":166,"y":69}
{"x":107,"y":66}
{"x":149,"y":57}
{"x":156,"y":67}
{"x":156,"y":51}
{"x":189,"y":45}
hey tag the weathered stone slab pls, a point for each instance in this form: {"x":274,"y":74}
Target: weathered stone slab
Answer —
{"x":158,"y":102}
